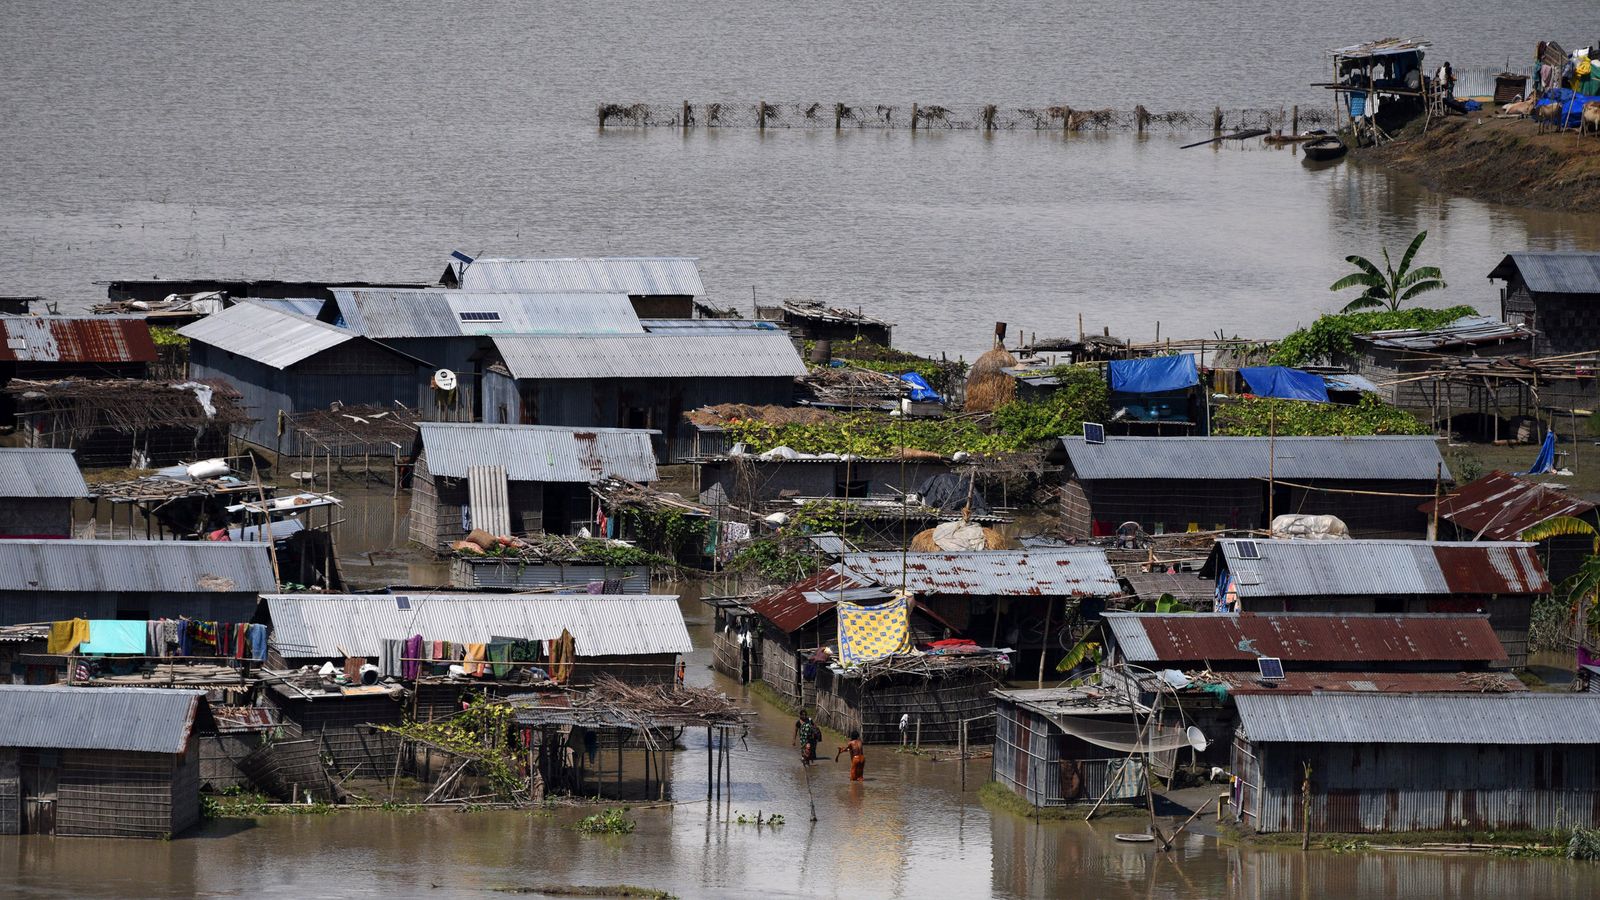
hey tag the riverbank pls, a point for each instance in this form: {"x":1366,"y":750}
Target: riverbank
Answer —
{"x":1494,"y":160}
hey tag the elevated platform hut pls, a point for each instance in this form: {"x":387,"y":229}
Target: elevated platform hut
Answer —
{"x":368,"y":431}
{"x":517,"y":479}
{"x":1042,"y":756}
{"x":1218,"y":657}
{"x":37,"y":490}
{"x":1500,"y":578}
{"x":1379,"y":86}
{"x":113,"y":423}
{"x":574,"y":733}
{"x":1553,"y":296}
{"x":813,"y":320}
{"x":1036,"y":602}
{"x":736,"y":641}
{"x":1157,"y":395}
{"x":1501,"y":507}
{"x":1395,"y":763}
{"x":942,"y":699}
{"x":1179,"y":484}
{"x":57,"y":348}
{"x":100,"y":762}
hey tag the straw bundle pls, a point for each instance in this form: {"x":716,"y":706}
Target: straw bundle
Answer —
{"x":987,"y":387}
{"x":926,"y":542}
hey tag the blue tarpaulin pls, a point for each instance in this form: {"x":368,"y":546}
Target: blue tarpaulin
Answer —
{"x":1546,"y":460}
{"x":1285,"y":383}
{"x":919,"y":388}
{"x":1154,"y":375}
{"x":1571,"y":105}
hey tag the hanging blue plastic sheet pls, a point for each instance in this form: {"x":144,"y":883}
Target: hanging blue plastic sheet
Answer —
{"x":1571,"y":103}
{"x":920,"y":391}
{"x":1154,"y":375}
{"x":1546,"y":460}
{"x":1285,"y":383}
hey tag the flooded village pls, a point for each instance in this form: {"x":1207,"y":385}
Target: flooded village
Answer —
{"x":521,"y":572}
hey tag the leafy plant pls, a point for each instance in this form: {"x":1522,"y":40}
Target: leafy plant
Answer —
{"x":1332,"y":336}
{"x":1389,"y":286}
{"x":167,"y":337}
{"x":479,"y":733}
{"x":1584,"y":843}
{"x":780,"y":559}
{"x":940,"y":374}
{"x":1082,"y":396}
{"x":1085,"y":651}
{"x":1259,"y":416}
{"x":611,"y":821}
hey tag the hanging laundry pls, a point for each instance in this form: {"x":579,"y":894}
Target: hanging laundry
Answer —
{"x":868,"y":633}
{"x":114,"y":636}
{"x":500,"y":655}
{"x":413,"y":658}
{"x":258,"y":642}
{"x":476,"y":653}
{"x":66,"y":636}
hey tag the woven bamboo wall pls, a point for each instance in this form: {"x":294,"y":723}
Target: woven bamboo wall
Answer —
{"x":10,"y":793}
{"x":104,"y":793}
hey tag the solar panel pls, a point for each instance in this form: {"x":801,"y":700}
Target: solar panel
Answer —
{"x":1271,"y":668}
{"x":1094,"y":433}
{"x":473,"y":316}
{"x":1248,"y":550}
{"x":402,"y":603}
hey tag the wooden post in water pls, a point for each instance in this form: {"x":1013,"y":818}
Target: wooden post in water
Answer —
{"x":1066,"y":120}
{"x":1045,"y":645}
{"x":1141,"y":117}
{"x":600,"y":113}
{"x":988,"y":117}
{"x":1294,"y":121}
{"x":1216,"y":121}
{"x":838,"y":115}
{"x":708,"y":763}
{"x":914,"y":109}
{"x":685,"y":119}
{"x":761,"y":114}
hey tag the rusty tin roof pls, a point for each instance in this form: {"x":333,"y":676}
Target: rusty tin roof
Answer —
{"x":1051,"y":572}
{"x":1304,"y":568}
{"x":1303,"y":637}
{"x":76,"y":339}
{"x":789,"y":609}
{"x":1499,"y":507}
{"x":1375,"y":682}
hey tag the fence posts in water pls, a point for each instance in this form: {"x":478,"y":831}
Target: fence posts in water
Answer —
{"x":761,"y":115}
{"x":1141,"y":117}
{"x":989,"y":113}
{"x":1066,"y":120}
{"x":914,"y":109}
{"x":1216,"y":121}
{"x":838,"y":115}
{"x":685,"y":119}
{"x":1294,"y":121}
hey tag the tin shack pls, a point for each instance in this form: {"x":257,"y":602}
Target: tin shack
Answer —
{"x":451,"y":329}
{"x":37,"y":488}
{"x":280,"y":361}
{"x":48,"y":348}
{"x":1043,"y":755}
{"x":1172,"y":484}
{"x":639,"y":381}
{"x":1427,"y":762}
{"x":1501,"y":579}
{"x":516,"y":478}
{"x":659,"y":287}
{"x":1553,"y":294}
{"x":52,"y":580}
{"x":1501,"y":507}
{"x":100,"y":762}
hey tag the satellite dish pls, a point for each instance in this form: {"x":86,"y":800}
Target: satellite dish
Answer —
{"x":1197,"y":739}
{"x":444,"y":380}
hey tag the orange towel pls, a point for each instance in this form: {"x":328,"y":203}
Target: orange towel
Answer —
{"x":476,"y":654}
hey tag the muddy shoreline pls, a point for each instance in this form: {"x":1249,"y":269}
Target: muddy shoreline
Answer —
{"x":1503,"y":161}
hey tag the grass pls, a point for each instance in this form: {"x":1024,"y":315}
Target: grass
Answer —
{"x":1584,"y":483}
{"x":610,"y":821}
{"x":1548,"y":842}
{"x":630,"y":891}
{"x":997,"y":796}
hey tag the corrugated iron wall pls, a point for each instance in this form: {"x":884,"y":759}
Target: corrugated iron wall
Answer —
{"x":468,"y":573}
{"x":1423,"y":787}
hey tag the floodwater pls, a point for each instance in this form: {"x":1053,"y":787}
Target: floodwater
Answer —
{"x":909,"y":831}
{"x":310,"y":140}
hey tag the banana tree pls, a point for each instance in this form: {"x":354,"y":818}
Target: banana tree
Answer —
{"x":1582,"y":588}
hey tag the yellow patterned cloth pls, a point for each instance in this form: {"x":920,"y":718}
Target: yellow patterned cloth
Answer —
{"x":867,"y":633}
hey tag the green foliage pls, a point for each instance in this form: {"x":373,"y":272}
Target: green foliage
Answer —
{"x":1085,"y":651}
{"x":758,"y":819}
{"x":237,"y":804}
{"x":1584,"y":843}
{"x":779,"y":559}
{"x":1254,"y":417}
{"x":1465,"y":466}
{"x":611,"y":821}
{"x":479,"y":733}
{"x":1331,"y":336}
{"x":867,"y":434}
{"x":1390,"y":286}
{"x":664,"y":529}
{"x":1082,"y":397}
{"x":167,"y":337}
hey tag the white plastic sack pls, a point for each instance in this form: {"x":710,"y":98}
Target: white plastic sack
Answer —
{"x":1316,"y":528}
{"x":954,"y":536}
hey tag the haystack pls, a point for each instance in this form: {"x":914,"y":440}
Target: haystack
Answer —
{"x":951,"y":537}
{"x":988,"y":388}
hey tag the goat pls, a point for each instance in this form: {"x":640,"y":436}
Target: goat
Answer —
{"x":1518,"y":110}
{"x":1547,"y":116}
{"x":1590,"y":120}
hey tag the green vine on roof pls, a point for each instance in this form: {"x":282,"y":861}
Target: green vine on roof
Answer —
{"x":1254,"y":417}
{"x":1081,"y":396}
{"x":1331,"y":336}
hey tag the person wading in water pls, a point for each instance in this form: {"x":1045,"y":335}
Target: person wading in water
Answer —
{"x":807,"y":735}
{"x":858,"y":757}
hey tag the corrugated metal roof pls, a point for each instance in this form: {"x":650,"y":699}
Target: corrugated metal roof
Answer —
{"x":1182,"y":586}
{"x":1303,"y":638}
{"x":1467,"y":331}
{"x":1290,"y":568}
{"x":1345,"y":381}
{"x":76,"y":339}
{"x":386,"y":313}
{"x":735,"y":355}
{"x":601,"y":624}
{"x":1068,"y":571}
{"x":634,"y":275}
{"x":706,"y":326}
{"x":1383,"y":457}
{"x":140,"y":720}
{"x":178,"y":567}
{"x":1553,"y":272}
{"x":305,"y":306}
{"x":1500,"y":507}
{"x":1372,"y":682}
{"x":271,"y":336}
{"x":539,"y":452}
{"x":1358,"y":718}
{"x":789,"y":609}
{"x":40,"y":473}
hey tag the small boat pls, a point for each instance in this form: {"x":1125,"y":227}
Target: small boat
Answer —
{"x":1281,"y":138}
{"x":1325,"y":149}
